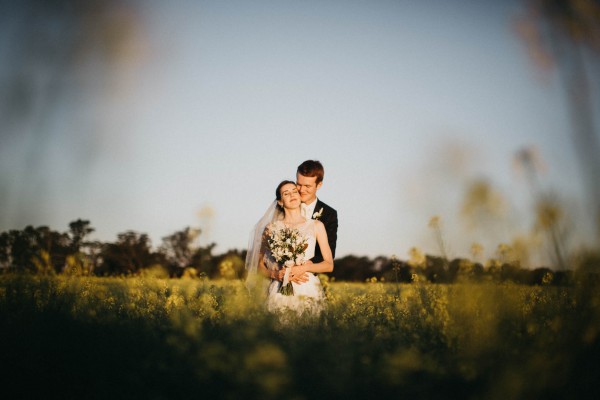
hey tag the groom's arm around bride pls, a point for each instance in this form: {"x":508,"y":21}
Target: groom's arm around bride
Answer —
{"x":309,"y":179}
{"x":328,"y":216}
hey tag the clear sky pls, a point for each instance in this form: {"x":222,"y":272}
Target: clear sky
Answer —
{"x":404,"y":102}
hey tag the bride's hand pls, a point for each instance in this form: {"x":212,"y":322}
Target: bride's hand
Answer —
{"x":298,"y":273}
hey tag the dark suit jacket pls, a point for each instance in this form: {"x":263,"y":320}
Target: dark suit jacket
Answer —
{"x":329,"y":218}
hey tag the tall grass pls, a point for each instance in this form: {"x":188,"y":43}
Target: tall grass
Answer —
{"x":160,"y":339}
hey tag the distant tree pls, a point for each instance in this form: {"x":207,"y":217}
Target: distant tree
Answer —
{"x":478,"y":271}
{"x":78,"y":231}
{"x":6,"y":259}
{"x":462,"y":270}
{"x":541,"y":276}
{"x":393,"y":269}
{"x":179,"y":248}
{"x":353,"y":268}
{"x":204,"y":261}
{"x":128,"y":255}
{"x":436,"y":269}
{"x":35,"y":248}
{"x":93,"y":253}
{"x":508,"y":272}
{"x":20,"y":250}
{"x":82,"y":254}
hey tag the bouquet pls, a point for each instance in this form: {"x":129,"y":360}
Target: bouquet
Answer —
{"x":287,"y":247}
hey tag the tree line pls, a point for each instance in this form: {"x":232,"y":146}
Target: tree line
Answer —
{"x":42,"y":250}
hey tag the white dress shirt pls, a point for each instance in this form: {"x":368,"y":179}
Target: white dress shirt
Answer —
{"x":309,"y":209}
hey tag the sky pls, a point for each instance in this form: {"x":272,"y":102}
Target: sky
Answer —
{"x":215,"y":102}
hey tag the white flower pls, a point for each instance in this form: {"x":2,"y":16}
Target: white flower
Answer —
{"x":287,"y":246}
{"x":317,"y":215}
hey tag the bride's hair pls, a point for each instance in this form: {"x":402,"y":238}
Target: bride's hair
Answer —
{"x":312,"y":168}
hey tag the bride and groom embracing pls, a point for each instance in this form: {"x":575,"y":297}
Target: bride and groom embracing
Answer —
{"x":294,"y":241}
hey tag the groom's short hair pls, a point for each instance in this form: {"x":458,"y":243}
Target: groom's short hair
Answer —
{"x":312,"y":168}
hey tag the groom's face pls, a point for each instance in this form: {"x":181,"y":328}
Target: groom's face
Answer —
{"x":307,"y":186}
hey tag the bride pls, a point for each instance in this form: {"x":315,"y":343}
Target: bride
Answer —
{"x":285,"y":212}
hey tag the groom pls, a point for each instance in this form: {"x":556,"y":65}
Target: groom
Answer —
{"x":309,"y":179}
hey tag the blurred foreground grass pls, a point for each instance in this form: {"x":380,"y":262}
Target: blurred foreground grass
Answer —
{"x":169,"y":339}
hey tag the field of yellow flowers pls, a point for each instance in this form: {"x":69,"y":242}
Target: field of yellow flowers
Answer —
{"x":87,"y":337}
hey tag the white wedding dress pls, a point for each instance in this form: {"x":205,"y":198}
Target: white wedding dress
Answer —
{"x":308,"y":297}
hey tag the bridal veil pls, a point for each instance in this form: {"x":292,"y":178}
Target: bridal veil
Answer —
{"x":255,"y":243}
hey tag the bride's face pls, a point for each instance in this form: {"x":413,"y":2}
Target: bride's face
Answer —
{"x":290,"y":198}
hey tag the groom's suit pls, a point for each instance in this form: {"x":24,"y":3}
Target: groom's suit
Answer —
{"x":329,"y":218}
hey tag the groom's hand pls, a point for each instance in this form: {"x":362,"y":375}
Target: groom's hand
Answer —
{"x":301,"y":278}
{"x":298,"y":275}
